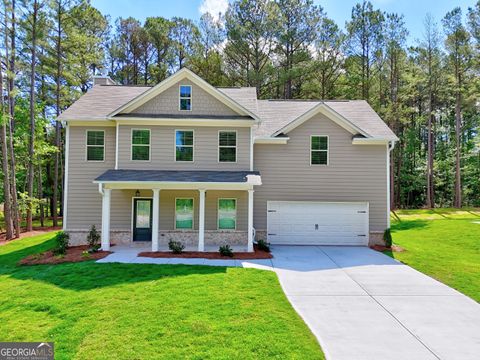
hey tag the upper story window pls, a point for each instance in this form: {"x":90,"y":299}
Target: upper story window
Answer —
{"x":95,"y":145}
{"x":227,"y":146}
{"x":183,"y":145}
{"x":318,"y":150}
{"x":141,"y":144}
{"x":185,"y":97}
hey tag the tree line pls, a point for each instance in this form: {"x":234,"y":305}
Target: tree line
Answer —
{"x":425,"y":89}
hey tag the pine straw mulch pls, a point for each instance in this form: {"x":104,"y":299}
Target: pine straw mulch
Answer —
{"x":257,"y":254}
{"x":382,"y":248}
{"x":74,"y":254}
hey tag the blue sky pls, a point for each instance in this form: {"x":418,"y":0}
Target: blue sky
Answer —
{"x":338,"y":10}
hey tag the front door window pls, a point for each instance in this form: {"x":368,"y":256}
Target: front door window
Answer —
{"x":142,"y":220}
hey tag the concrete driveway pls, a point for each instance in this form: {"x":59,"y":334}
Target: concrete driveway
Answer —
{"x":364,"y":305}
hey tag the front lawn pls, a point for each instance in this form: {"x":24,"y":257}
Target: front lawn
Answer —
{"x":132,"y":311}
{"x":442,"y":243}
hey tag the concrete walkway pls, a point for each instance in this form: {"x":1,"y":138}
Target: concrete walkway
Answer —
{"x":361,"y":304}
{"x":364,"y":305}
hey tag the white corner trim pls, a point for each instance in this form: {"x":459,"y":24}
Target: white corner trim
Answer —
{"x":117,"y":130}
{"x":251,"y":148}
{"x":65,"y":191}
{"x":389,"y":148}
{"x":271,"y":140}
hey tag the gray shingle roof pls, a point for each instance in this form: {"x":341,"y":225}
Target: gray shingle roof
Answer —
{"x":175,"y":176}
{"x":101,"y":100}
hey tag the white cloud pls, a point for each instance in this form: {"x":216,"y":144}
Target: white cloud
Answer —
{"x":214,"y":7}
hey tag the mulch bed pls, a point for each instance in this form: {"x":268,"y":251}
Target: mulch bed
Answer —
{"x":74,"y":254}
{"x":257,"y":254}
{"x":382,"y":248}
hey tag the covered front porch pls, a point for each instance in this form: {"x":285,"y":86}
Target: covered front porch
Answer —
{"x":200,"y":209}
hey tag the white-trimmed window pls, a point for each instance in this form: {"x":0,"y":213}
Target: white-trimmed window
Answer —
{"x":227,"y":214}
{"x":319,"y":150}
{"x":184,"y":145}
{"x":185,"y":97}
{"x":184,"y":213}
{"x":95,"y":145}
{"x":140,"y":144}
{"x":227,"y":146}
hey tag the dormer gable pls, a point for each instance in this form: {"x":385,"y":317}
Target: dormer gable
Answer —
{"x":198,"y":98}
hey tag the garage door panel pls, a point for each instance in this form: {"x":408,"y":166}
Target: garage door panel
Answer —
{"x":317,"y":223}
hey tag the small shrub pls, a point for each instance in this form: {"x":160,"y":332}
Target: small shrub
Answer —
{"x":263,"y":245}
{"x":93,"y":239}
{"x":85,"y":254}
{"x":225,"y":250}
{"x":176,"y":246}
{"x":61,"y":243}
{"x":387,"y":237}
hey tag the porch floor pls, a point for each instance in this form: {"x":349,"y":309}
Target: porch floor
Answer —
{"x":129,"y":254}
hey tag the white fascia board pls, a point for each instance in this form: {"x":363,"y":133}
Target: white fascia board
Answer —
{"x":183,"y":73}
{"x":324,"y":109}
{"x":172,"y":185}
{"x":184,"y":122}
{"x":271,"y":140}
{"x":370,"y":141}
{"x":80,"y":122}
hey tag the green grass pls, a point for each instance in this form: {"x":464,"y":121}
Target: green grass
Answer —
{"x":442,"y":243}
{"x":132,"y":311}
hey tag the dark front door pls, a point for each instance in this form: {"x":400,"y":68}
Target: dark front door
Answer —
{"x":142,"y":220}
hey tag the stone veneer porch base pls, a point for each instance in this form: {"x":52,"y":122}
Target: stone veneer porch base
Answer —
{"x":188,"y":238}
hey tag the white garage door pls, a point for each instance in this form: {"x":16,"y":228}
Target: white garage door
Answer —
{"x":317,"y":223}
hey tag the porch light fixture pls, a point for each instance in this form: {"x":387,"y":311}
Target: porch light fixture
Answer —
{"x":137,"y":193}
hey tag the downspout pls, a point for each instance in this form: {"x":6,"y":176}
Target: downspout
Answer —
{"x":390,"y":146}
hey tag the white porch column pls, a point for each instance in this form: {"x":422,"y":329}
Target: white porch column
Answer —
{"x":106,"y":219}
{"x":155,"y":218}
{"x":250,"y":220}
{"x":201,"y":221}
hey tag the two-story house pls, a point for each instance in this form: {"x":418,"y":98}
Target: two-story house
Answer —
{"x":186,"y":161}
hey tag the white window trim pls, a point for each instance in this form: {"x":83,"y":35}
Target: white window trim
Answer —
{"x":87,"y":146}
{"x":175,"y":211}
{"x":227,"y":146}
{"x":175,"y":146}
{"x":218,"y":213}
{"x":180,"y":98}
{"x":328,"y":150}
{"x":149,"y":144}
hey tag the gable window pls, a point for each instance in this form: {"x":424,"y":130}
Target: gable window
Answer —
{"x":227,"y":214}
{"x":95,"y":145}
{"x":183,"y":145}
{"x":184,"y":213}
{"x":141,"y":144}
{"x":227,"y":146}
{"x":318,"y":150}
{"x":185,"y":97}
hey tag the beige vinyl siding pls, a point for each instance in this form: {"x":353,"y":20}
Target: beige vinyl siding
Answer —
{"x":354,"y":172}
{"x":168,"y":103}
{"x":162,"y":149}
{"x":84,"y":201}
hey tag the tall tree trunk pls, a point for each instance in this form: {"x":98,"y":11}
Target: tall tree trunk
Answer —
{"x":40,"y":196}
{"x":31,"y":144}
{"x":430,"y":202}
{"x":7,"y":214}
{"x":458,"y":128}
{"x":58,"y":129}
{"x":11,"y":105}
